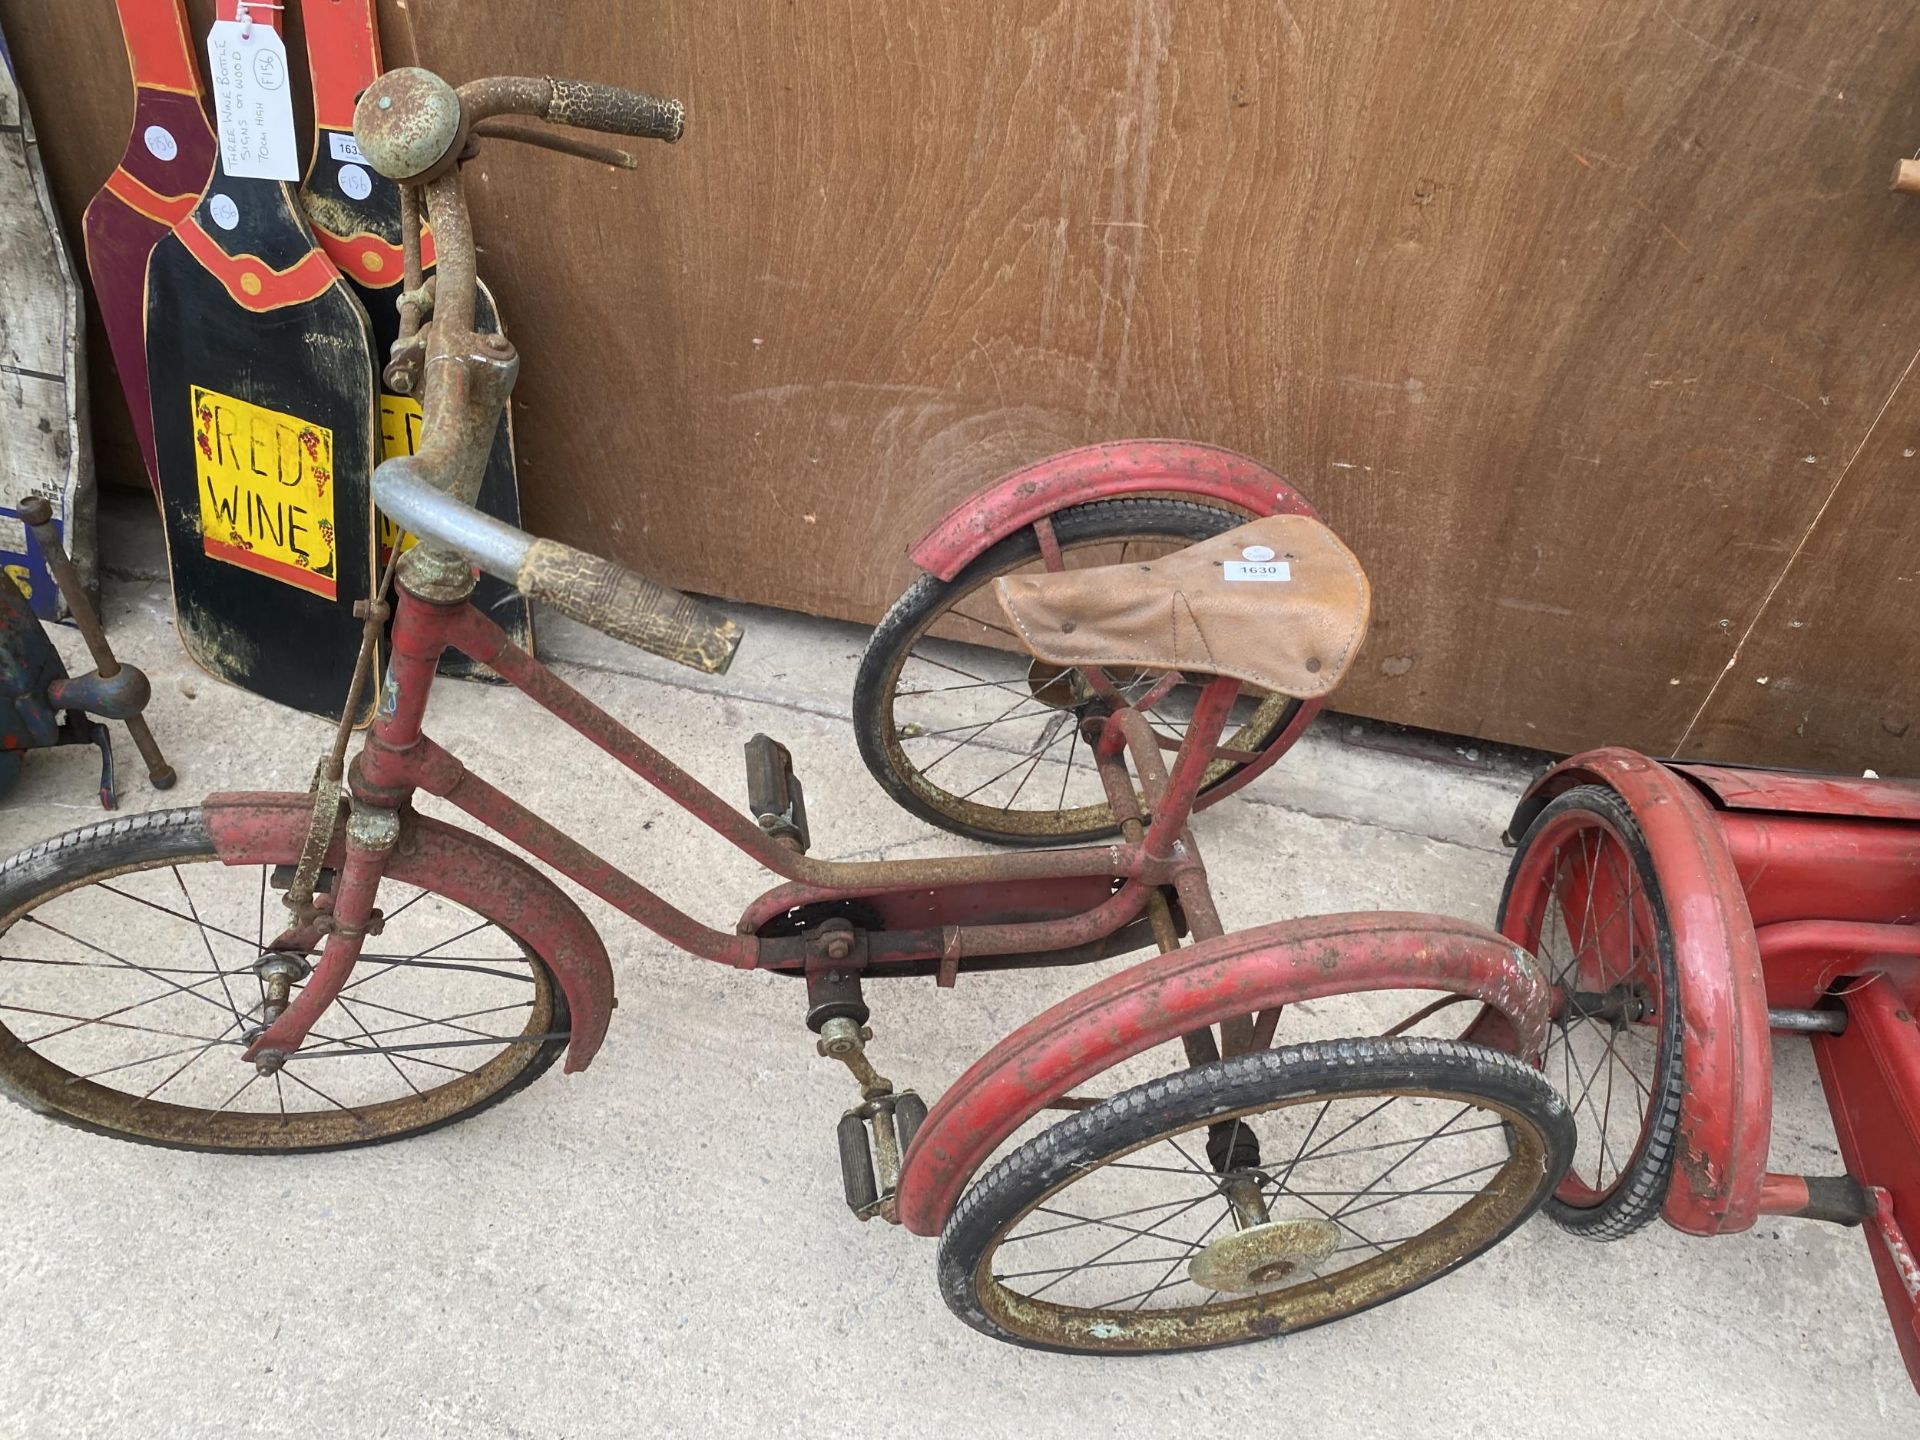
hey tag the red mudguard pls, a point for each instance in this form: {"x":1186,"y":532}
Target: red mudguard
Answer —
{"x":1726,"y":1116}
{"x":1171,"y":995}
{"x":269,"y":828}
{"x":1101,"y":472}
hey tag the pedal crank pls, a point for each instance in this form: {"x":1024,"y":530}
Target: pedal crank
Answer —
{"x":874,"y":1136}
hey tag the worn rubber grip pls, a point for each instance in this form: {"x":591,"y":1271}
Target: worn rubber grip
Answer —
{"x":615,"y":111}
{"x":629,"y":607}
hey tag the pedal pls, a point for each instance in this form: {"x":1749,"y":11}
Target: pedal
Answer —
{"x":774,"y":797}
{"x":873,"y":1138}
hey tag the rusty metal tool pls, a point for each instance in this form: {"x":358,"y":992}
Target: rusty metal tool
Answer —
{"x":38,"y":515}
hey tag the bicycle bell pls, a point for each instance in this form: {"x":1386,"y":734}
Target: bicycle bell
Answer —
{"x":409,"y":126}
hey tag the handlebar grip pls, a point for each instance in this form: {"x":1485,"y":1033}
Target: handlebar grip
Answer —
{"x":629,"y":607}
{"x":614,"y":111}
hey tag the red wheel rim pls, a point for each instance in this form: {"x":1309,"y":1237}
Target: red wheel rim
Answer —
{"x":1580,"y":902}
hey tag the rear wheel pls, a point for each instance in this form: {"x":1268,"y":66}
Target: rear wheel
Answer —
{"x":1583,"y":896}
{"x":969,"y":732}
{"x":1253,"y":1196}
{"x":134,"y":965}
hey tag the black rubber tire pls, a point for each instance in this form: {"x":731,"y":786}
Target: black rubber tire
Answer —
{"x":1192,"y":1097}
{"x":171,"y":836}
{"x":1641,"y":1191}
{"x":922,"y":601}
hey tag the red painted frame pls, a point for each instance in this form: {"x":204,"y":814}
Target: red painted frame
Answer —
{"x":938,"y":913}
{"x":1798,"y":892}
{"x":1074,"y":898}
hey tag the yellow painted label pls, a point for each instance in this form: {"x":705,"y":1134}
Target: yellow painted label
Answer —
{"x":400,"y":422}
{"x":266,"y":491}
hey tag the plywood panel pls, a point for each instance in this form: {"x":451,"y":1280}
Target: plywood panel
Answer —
{"x":1829,"y":661}
{"x":1566,"y":312}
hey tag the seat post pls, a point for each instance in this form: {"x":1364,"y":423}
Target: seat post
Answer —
{"x":1172,"y":807}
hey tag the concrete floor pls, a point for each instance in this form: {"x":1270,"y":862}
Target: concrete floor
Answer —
{"x":658,"y":1245}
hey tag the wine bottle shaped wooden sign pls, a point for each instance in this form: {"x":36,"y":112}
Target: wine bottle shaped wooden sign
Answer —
{"x":159,"y":179}
{"x":260,"y":366}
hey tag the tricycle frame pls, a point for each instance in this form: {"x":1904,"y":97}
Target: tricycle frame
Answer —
{"x":1030,"y":908}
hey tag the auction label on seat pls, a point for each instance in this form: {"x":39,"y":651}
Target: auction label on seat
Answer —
{"x":1257,"y":570}
{"x":266,"y":491}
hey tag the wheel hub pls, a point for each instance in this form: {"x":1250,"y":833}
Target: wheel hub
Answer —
{"x":1264,"y":1255}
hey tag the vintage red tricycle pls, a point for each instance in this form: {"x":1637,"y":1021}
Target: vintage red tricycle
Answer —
{"x":1685,"y":914}
{"x":1139,"y":601}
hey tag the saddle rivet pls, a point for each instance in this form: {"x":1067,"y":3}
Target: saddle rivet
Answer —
{"x":1313,"y":667}
{"x":1068,"y":627}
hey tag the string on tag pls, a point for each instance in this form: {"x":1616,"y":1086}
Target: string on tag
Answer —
{"x":243,"y":12}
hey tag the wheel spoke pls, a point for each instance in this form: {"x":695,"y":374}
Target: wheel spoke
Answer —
{"x":1152,"y":1231}
{"x":1406,"y":1157}
{"x":1079,"y":1221}
{"x":1166,"y":1282}
{"x":173,"y":987}
{"x":213,"y":961}
{"x":164,"y":910}
{"x":83,"y":1020}
{"x":346,"y":1008}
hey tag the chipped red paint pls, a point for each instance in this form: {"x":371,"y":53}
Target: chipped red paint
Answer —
{"x":1101,"y":472}
{"x":1817,"y":879}
{"x":1726,"y":1115}
{"x":267,"y":828}
{"x":1855,"y":797}
{"x":1172,"y":995}
{"x":1871,"y":1072}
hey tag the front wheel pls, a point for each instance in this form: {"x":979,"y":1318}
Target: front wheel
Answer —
{"x":1254,"y":1196}
{"x":134,"y":965}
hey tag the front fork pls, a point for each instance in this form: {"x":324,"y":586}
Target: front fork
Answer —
{"x":372,"y":832}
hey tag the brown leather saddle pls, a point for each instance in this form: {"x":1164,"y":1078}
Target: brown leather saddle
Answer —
{"x":1279,"y":603}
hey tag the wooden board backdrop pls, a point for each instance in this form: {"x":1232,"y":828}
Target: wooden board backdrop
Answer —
{"x":1589,"y":323}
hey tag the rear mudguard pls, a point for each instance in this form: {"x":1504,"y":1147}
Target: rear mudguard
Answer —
{"x":1171,"y":995}
{"x":1104,"y":472}
{"x":269,"y":828}
{"x":1726,"y":1115}
{"x":1100,"y":472}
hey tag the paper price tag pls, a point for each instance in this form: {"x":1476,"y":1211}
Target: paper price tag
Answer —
{"x":344,"y":148}
{"x":252,"y":101}
{"x":1271,"y":571}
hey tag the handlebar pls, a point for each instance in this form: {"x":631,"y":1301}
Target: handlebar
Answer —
{"x":579,"y":103}
{"x":583,"y":587}
{"x":415,"y":129}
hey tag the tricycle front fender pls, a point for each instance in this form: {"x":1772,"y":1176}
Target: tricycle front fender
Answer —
{"x":269,"y":828}
{"x":1172,"y":995}
{"x":1100,"y":472}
